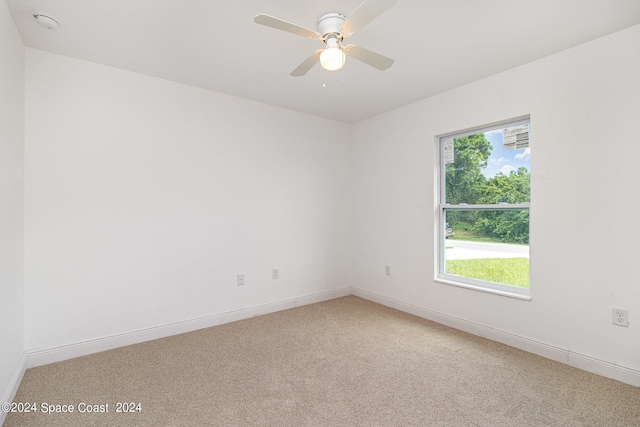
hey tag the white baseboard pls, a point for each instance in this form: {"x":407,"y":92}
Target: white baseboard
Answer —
{"x":563,"y":355}
{"x":51,"y":355}
{"x":14,"y":383}
{"x":57,"y":354}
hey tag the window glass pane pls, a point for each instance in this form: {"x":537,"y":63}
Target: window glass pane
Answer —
{"x":484,"y":208}
{"x":488,"y":167}
{"x":489,"y":245}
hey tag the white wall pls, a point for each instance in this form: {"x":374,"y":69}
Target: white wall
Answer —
{"x":11,"y":206}
{"x":585,"y":110}
{"x":144,"y":199}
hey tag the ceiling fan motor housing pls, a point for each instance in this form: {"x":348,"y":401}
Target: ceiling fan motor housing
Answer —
{"x":330,"y":23}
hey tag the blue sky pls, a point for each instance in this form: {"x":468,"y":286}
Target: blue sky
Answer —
{"x":503,"y":160}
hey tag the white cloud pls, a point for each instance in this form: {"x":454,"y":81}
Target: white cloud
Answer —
{"x":524,"y":155}
{"x":506,"y":169}
{"x":498,"y":161}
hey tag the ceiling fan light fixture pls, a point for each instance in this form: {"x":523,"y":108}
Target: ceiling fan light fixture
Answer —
{"x":332,"y":58}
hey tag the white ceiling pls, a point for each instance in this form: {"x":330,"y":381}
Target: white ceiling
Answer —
{"x":437,"y":44}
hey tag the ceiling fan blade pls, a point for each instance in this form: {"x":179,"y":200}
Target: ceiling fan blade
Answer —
{"x":368,"y":57}
{"x":307,"y":64}
{"x":279,"y":24}
{"x":365,"y":13}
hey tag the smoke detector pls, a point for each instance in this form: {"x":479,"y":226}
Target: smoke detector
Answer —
{"x":45,"y":20}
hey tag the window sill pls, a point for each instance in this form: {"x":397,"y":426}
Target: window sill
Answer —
{"x":503,"y":293}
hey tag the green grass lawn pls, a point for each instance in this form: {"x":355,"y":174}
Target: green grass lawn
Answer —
{"x":506,"y":271}
{"x":472,"y":236}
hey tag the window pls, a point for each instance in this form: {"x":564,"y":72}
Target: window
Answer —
{"x":484,"y":199}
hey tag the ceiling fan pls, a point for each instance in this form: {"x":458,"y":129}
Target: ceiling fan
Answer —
{"x":333,"y":28}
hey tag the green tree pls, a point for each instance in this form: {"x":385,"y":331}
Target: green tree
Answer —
{"x":464,"y":178}
{"x":512,"y":188}
{"x":508,"y":225}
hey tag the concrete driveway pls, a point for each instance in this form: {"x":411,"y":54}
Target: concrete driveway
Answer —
{"x":461,"y":249}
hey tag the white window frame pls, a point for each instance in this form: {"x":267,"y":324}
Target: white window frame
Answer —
{"x":442,"y":207}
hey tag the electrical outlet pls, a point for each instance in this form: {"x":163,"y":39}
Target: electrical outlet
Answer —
{"x":387,"y":270}
{"x":275,"y":274}
{"x":240,"y":279}
{"x":620,"y":317}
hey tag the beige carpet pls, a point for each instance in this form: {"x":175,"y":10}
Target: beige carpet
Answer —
{"x":338,"y":363}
